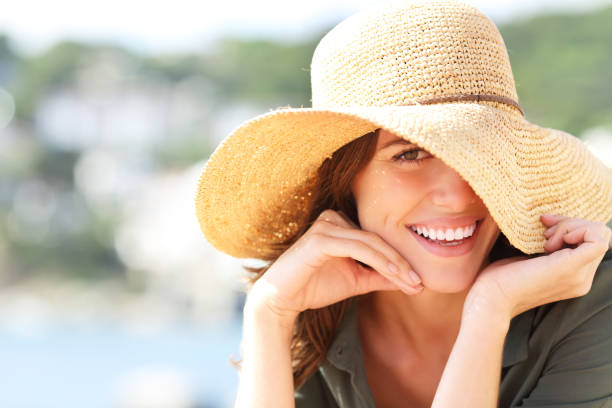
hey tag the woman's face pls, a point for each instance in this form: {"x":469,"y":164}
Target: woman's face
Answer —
{"x":405,"y":187}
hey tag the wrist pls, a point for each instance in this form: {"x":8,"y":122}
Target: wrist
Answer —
{"x":481,"y":309}
{"x":261,"y":311}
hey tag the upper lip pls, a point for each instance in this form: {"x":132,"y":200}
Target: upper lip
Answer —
{"x":444,"y":223}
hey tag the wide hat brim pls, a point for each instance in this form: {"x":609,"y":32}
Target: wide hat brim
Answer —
{"x":255,"y":190}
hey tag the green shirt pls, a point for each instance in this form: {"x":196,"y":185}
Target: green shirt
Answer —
{"x":556,"y":355}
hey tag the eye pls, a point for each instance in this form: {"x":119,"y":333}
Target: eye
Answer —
{"x":411,"y":156}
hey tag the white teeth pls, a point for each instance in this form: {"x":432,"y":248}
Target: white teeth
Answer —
{"x":459,"y":233}
{"x":448,"y":235}
{"x":432,"y":234}
{"x":470,"y":230}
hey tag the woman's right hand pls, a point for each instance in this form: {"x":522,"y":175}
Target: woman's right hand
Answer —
{"x":320,"y":268}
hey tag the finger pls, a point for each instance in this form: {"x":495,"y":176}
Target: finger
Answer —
{"x":336,"y":217}
{"x":576,"y":236}
{"x":348,"y":229}
{"x":594,"y":244}
{"x":404,"y":272}
{"x":351,"y":248}
{"x":551,"y":219}
{"x":368,"y":280}
{"x":330,"y":217}
{"x":348,"y":221}
{"x":589,"y":237}
{"x":550,"y":231}
{"x":555,"y":241}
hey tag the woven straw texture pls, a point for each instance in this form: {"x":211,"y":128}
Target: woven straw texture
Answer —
{"x":414,"y":69}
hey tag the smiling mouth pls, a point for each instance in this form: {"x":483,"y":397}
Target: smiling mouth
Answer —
{"x":431,"y":234}
{"x":450,"y":248}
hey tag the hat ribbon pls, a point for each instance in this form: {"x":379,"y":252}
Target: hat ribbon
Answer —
{"x":467,"y":97}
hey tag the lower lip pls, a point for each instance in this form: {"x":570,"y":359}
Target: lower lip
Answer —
{"x":451,"y":250}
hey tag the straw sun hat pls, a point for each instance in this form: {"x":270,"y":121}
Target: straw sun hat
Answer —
{"x":436,"y":73}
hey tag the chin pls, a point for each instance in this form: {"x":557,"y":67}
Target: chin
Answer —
{"x":448,"y":280}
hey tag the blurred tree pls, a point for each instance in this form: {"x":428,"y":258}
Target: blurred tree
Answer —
{"x":561,"y":63}
{"x":55,"y":68}
{"x":6,"y":51}
{"x":9,"y":62}
{"x":262,"y":71}
{"x":40,"y":74}
{"x":563,"y":68}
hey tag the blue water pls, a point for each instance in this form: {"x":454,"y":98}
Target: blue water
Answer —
{"x":67,"y":367}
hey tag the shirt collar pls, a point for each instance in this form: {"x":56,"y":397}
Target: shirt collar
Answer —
{"x":347,"y":344}
{"x":345,"y":352}
{"x":516,"y":346}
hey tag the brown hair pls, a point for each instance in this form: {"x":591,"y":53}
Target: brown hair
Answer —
{"x":314,"y":329}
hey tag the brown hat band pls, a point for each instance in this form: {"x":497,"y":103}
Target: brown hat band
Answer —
{"x":464,"y":97}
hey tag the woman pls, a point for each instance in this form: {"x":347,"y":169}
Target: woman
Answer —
{"x":426,"y":244}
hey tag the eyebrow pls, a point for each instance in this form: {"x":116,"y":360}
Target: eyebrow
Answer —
{"x":396,"y":141}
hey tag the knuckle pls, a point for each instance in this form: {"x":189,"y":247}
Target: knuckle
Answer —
{"x":322,"y":224}
{"x":316,"y":227}
{"x":327,"y":215}
{"x":319,"y":225}
{"x":313,"y":240}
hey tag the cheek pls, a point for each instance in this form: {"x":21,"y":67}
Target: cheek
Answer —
{"x":409,"y":183}
{"x":383,"y":191}
{"x":492,"y":234}
{"x":404,"y":185}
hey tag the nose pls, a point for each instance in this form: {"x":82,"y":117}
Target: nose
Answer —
{"x":450,"y":190}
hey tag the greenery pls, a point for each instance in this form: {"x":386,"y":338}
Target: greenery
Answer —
{"x":562,"y":68}
{"x":561,"y":63}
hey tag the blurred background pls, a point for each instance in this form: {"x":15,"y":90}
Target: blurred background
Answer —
{"x":109,"y":294}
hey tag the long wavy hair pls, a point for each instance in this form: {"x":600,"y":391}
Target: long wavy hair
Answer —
{"x":315,"y":328}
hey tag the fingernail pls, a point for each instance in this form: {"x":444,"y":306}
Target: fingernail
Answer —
{"x":393,"y":269}
{"x":415,"y":278}
{"x":409,"y":289}
{"x":407,"y":279}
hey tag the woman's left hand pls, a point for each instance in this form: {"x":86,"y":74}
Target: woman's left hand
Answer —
{"x":511,"y":286}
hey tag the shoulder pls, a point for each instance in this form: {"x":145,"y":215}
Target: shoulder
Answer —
{"x":560,"y":354}
{"x":543,"y":329}
{"x":596,"y":304}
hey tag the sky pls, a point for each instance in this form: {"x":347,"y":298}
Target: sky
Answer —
{"x":154,"y":27}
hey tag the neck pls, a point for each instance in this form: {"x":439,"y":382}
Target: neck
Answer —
{"x":425,"y":321}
